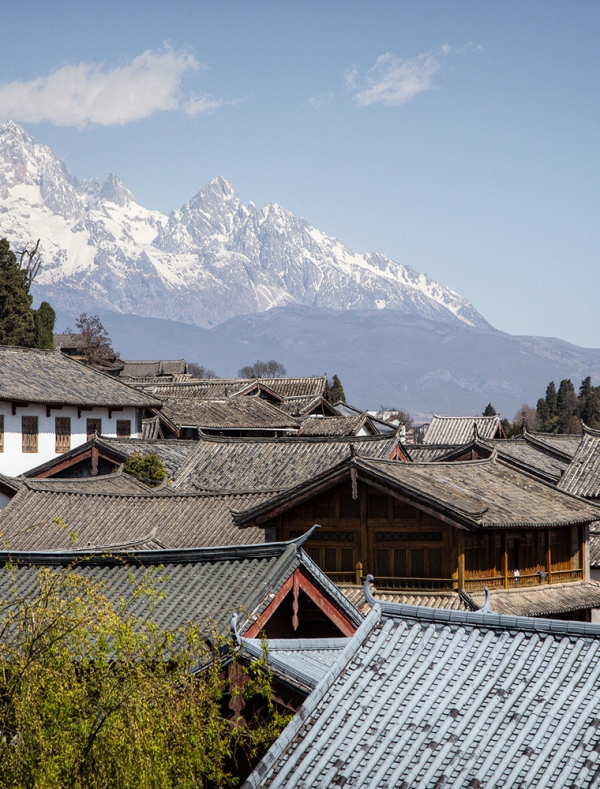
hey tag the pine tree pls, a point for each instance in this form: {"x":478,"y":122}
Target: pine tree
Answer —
{"x":551,"y":400}
{"x":336,"y":391}
{"x":489,"y":410}
{"x":44,"y":318}
{"x":17,"y":326}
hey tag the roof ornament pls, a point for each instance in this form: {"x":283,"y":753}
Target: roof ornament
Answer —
{"x":367,"y":591}
{"x":233,"y":628}
{"x":486,"y":608}
{"x":352,"y":450}
{"x":524,"y":427}
{"x":299,"y":541}
{"x":475,"y":431}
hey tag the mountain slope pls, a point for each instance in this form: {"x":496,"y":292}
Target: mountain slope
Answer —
{"x":383,"y":357}
{"x":210,"y":260}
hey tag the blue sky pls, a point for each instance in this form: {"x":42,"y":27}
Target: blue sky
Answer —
{"x":460,"y":137}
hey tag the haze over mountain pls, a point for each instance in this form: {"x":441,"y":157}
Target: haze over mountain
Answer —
{"x":204,"y":263}
{"x":252,"y":283}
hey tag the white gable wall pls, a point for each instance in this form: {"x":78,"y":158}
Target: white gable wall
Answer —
{"x":13,"y":461}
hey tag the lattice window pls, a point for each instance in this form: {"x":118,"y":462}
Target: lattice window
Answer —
{"x":62,"y":434}
{"x":417,"y":561}
{"x":435,"y":563}
{"x":1,"y":432}
{"x":301,"y":513}
{"x":123,"y":428}
{"x":378,"y":506}
{"x":383,"y":561}
{"x":400,"y":568}
{"x":404,"y":511}
{"x":314,"y":552}
{"x":347,"y":560}
{"x":29,"y":431}
{"x":93,"y":426}
{"x":329,"y":560}
{"x":325,"y":509}
{"x":349,"y":507}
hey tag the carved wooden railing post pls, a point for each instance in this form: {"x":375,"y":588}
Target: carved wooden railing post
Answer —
{"x":359,"y":569}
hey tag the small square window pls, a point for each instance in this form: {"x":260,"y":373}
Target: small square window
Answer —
{"x":62,"y":433}
{"x":123,"y":428}
{"x":94,"y":426}
{"x":29,"y":431}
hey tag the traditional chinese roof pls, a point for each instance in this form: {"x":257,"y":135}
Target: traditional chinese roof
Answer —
{"x":61,"y":514}
{"x":460,"y":429}
{"x":271,"y":463}
{"x":199,"y":585}
{"x":304,"y":406}
{"x":247,"y":413}
{"x":152,"y":368}
{"x":213,"y":388}
{"x":473,"y":494}
{"x":565,"y":443}
{"x":172,"y":453}
{"x":450,"y":600}
{"x":30,"y":375}
{"x":337,"y":426}
{"x":582,"y":475}
{"x":436,"y":698}
{"x":544,"y":600}
{"x":427,"y":453}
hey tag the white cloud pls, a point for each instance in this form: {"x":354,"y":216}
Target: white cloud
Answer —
{"x":321,"y":100}
{"x":394,"y":81}
{"x":89,"y":94}
{"x":204,"y":103}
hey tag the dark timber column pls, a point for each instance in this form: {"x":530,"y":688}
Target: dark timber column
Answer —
{"x":504,"y":560}
{"x":548,"y":557}
{"x":365,"y":548}
{"x":460,"y":538}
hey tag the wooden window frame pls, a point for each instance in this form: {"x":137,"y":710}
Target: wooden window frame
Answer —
{"x":64,"y":445}
{"x":30,"y":441}
{"x":90,"y":435}
{"x":124,"y":422}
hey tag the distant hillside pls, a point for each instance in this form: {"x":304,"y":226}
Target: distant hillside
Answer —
{"x":382,"y":356}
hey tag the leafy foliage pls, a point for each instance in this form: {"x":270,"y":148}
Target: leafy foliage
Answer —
{"x":147,"y":468}
{"x":259,"y":369}
{"x":562,"y":410}
{"x":44,"y":318}
{"x":92,"y":696}
{"x":199,"y":371}
{"x":489,"y":410}
{"x":336,"y":390}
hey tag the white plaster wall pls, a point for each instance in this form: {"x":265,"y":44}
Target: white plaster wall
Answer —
{"x":4,"y":499}
{"x":14,"y":462}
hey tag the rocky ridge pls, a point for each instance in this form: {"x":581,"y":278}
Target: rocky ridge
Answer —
{"x":206,"y":262}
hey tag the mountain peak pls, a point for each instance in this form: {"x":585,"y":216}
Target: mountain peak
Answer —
{"x":115,"y":191}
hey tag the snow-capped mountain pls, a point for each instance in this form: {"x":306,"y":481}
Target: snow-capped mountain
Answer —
{"x":209,"y":260}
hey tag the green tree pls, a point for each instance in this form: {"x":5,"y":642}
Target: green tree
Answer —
{"x":588,"y":408}
{"x":95,"y":696}
{"x":44,"y":318}
{"x":552,"y":400}
{"x":489,"y":410}
{"x":17,"y":326}
{"x":147,"y":468}
{"x":336,"y":391}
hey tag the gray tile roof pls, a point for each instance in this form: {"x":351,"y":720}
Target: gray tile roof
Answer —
{"x":543,"y":600}
{"x":336,"y":425}
{"x":427,"y":453}
{"x":212,"y":388}
{"x":101,"y":511}
{"x":487,"y":493}
{"x":301,"y":406}
{"x":451,"y":600}
{"x":144,"y":368}
{"x":252,"y":413}
{"x":172,"y":452}
{"x":561,"y":442}
{"x":459,"y":429}
{"x":270,"y":463}
{"x":34,"y":376}
{"x":303,"y":662}
{"x":538,"y":457}
{"x":433,"y":698}
{"x":582,"y":476}
{"x":199,"y":585}
{"x":474,"y":494}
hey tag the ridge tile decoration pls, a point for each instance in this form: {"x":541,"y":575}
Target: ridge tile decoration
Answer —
{"x":443,"y":528}
{"x":50,"y":403}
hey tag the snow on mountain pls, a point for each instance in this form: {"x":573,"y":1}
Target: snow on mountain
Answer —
{"x":209,"y":260}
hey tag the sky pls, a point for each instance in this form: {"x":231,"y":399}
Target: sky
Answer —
{"x":461,"y":138}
